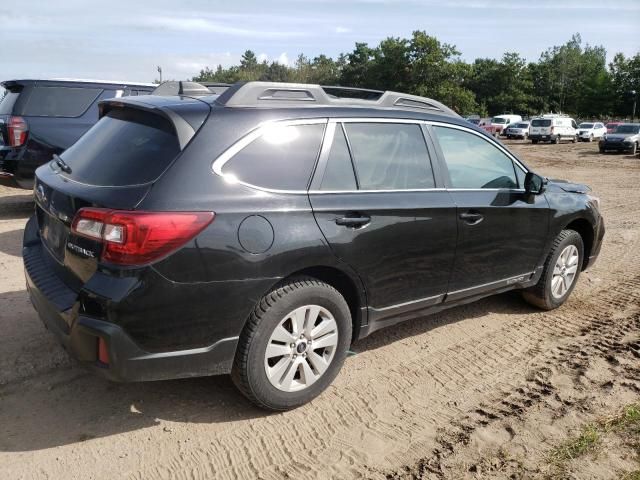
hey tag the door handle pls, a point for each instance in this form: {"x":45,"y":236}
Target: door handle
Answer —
{"x":354,"y":221}
{"x":471,"y":218}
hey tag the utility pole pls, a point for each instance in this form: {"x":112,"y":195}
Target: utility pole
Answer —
{"x":633,"y":111}
{"x":160,"y":72}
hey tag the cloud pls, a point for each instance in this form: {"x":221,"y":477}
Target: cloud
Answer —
{"x":187,"y":24}
{"x":342,"y":30}
{"x":283,"y":59}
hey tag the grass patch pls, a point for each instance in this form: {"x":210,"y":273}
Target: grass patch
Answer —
{"x":586,"y":442}
{"x":631,"y":476}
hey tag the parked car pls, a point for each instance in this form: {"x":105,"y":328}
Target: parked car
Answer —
{"x":611,"y":126}
{"x":40,"y":118}
{"x":499,"y":124}
{"x":262,"y":231}
{"x":474,"y":120}
{"x":626,"y":139}
{"x":553,"y":128}
{"x":518,"y":130}
{"x":588,"y":131}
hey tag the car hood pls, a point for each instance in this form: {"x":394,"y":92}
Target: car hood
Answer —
{"x":557,"y":185}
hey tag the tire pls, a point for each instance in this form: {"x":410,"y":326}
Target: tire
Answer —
{"x":591,"y":138}
{"x":275,"y":315}
{"x":634,"y":149}
{"x":574,"y":139}
{"x":543,"y":295}
{"x":535,"y":142}
{"x":601,"y":149}
{"x":557,"y":140}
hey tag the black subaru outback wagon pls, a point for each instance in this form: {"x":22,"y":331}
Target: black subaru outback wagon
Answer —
{"x":262,"y":231}
{"x":41,"y":118}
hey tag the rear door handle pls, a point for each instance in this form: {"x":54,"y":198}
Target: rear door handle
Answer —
{"x":353,"y":221}
{"x":471,"y":218}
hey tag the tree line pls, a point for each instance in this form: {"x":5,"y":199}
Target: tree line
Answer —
{"x":572,"y":78}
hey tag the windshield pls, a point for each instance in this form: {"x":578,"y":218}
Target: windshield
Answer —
{"x":541,"y":123}
{"x":499,"y":120}
{"x":628,"y":129}
{"x":586,"y":125}
{"x":125,"y":147}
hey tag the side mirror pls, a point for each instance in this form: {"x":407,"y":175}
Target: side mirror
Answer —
{"x":534,"y":183}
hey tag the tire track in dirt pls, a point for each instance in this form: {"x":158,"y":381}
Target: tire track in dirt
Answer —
{"x":603,"y":336}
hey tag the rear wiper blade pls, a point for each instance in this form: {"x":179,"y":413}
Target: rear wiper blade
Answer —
{"x":61,"y":163}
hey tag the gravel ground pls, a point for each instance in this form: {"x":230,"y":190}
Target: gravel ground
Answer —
{"x":486,"y":390}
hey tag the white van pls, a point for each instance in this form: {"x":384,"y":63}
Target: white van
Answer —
{"x":553,"y":128}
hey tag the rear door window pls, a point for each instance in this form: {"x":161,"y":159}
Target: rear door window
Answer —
{"x":390,"y":156}
{"x":125,"y":147}
{"x":59,"y":101}
{"x":541,"y":123}
{"x":281,"y":158}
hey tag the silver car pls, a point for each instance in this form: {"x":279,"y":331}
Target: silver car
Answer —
{"x":518,"y":130}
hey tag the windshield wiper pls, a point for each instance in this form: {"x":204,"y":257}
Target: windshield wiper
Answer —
{"x":61,"y":163}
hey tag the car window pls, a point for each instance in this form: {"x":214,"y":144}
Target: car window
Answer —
{"x":125,"y":147}
{"x":282,"y":158}
{"x":473,"y":162}
{"x":541,"y":123}
{"x":339,"y":174}
{"x":59,"y":101}
{"x":390,"y":156}
{"x":7,"y":101}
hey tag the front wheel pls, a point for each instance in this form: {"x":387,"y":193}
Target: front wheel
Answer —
{"x":293,"y":345}
{"x":634,"y":149}
{"x":557,"y":140}
{"x":560,"y":274}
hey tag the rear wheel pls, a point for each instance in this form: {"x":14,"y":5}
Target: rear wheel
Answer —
{"x":293,"y":345}
{"x":591,"y":138}
{"x":534,"y":141}
{"x":557,"y":139}
{"x":560,"y":274}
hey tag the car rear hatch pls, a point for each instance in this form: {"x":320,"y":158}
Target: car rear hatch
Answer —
{"x":8,"y":105}
{"x":541,"y":126}
{"x":112,"y":166}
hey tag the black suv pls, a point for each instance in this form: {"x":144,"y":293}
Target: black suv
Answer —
{"x":262,"y":231}
{"x":40,"y":118}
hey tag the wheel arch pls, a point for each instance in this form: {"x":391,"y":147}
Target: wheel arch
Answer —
{"x":585,"y":229}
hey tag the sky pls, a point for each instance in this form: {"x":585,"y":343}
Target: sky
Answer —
{"x":127,"y":40}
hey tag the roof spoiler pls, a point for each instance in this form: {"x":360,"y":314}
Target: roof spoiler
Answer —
{"x":191,"y":89}
{"x":184,"y":131}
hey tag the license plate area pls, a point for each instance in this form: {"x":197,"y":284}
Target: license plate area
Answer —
{"x":54,"y":234}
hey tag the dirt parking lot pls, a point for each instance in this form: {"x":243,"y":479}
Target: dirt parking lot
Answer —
{"x":494,"y":389}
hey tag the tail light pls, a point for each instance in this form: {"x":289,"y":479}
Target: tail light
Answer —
{"x":17,"y":128}
{"x":103,"y":351}
{"x":137,"y":237}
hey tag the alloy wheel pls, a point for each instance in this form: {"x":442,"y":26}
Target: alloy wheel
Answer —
{"x":301,"y":348}
{"x":565,"y":270}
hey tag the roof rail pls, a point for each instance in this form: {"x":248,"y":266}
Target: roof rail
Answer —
{"x":270,"y":94}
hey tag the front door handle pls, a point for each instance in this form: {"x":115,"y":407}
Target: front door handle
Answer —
{"x":353,"y":221}
{"x":471,"y":218}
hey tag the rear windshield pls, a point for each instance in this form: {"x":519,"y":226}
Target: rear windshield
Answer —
{"x":7,"y":100}
{"x":126,"y":147}
{"x":499,"y":120}
{"x":541,"y":123}
{"x":59,"y":101}
{"x":522,"y":125}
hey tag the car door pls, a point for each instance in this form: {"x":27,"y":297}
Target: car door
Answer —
{"x":501,"y":229}
{"x":381,"y":208}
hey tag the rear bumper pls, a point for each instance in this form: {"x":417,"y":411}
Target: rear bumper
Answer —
{"x":542,"y":138}
{"x":59,"y":309}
